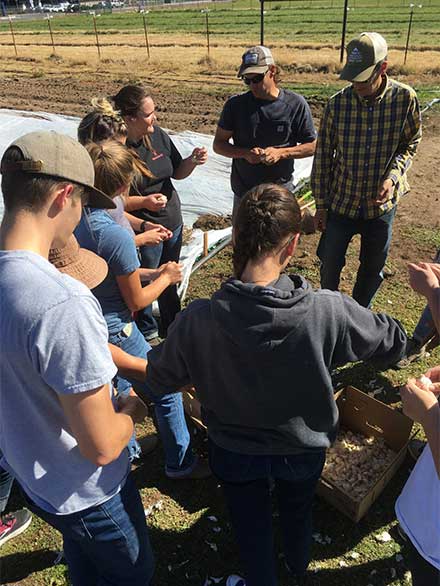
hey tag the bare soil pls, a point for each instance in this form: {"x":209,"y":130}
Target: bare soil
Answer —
{"x":194,"y":103}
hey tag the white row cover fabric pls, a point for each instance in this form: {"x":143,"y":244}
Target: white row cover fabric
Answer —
{"x":207,"y":190}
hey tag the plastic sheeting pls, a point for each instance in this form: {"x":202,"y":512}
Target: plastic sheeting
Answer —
{"x":207,"y":190}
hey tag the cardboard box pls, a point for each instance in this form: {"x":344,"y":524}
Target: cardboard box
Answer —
{"x":361,"y":413}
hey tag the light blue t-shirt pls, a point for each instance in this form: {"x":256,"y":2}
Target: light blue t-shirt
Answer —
{"x":53,"y":341}
{"x":99,"y":233}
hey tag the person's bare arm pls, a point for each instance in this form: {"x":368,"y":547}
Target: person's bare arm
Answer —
{"x":128,"y":366}
{"x":137,"y":297}
{"x":101,"y":433}
{"x":422,"y":406}
{"x":223,"y":146}
{"x":424,"y":278}
{"x":274,"y":154}
{"x":152,"y":202}
{"x":199,"y":156}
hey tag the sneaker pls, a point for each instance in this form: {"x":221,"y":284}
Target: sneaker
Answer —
{"x":147,"y":444}
{"x":199,"y":471}
{"x":232,"y":580}
{"x":13,"y":524}
{"x":414,"y":351}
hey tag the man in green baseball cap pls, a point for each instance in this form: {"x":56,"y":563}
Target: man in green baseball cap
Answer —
{"x":369,"y":134}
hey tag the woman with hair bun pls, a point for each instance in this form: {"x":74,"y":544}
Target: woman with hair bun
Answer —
{"x":259,"y":354}
{"x":159,"y":198}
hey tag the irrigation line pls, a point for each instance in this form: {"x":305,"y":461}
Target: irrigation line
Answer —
{"x":430,"y":104}
{"x":220,"y":246}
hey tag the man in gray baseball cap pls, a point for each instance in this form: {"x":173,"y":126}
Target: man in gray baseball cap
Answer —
{"x":264,"y":129}
{"x":61,"y":437}
{"x":369,"y":134}
{"x":54,"y":155}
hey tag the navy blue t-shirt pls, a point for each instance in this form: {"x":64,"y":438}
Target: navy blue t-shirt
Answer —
{"x":162,"y":160}
{"x":283,"y":122}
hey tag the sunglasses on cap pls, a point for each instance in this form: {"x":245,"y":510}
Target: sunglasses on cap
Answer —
{"x":258,"y":78}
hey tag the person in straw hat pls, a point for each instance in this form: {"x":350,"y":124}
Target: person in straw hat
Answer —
{"x":368,"y":136}
{"x":61,"y":436}
{"x":89,"y":268}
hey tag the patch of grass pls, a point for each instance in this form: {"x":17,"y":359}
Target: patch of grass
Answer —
{"x":297,"y":21}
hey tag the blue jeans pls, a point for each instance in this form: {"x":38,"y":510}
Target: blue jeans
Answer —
{"x":246,"y":484}
{"x":106,"y":545}
{"x":6,"y":480}
{"x":169,"y":302}
{"x":376,"y":237}
{"x":170,"y":416}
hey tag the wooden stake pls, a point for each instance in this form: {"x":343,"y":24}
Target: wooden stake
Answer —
{"x":205,"y":243}
{"x":147,"y":44}
{"x":307,"y":205}
{"x":51,"y":34}
{"x":13,"y":36}
{"x":97,"y":38}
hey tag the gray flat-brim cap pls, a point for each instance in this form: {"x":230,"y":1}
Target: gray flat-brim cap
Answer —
{"x":59,"y":156}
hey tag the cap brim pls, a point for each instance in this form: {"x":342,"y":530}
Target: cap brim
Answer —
{"x":252,"y":69}
{"x":98,"y":199}
{"x":90,"y":269}
{"x":353,"y":73}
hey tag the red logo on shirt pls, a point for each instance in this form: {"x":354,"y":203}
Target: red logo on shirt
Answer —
{"x":156,"y":155}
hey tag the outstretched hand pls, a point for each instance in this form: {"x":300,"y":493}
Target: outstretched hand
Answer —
{"x":424,"y":277}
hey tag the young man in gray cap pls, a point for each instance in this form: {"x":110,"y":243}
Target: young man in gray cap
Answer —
{"x":60,"y":435}
{"x":368,"y":136}
{"x":269,"y":127}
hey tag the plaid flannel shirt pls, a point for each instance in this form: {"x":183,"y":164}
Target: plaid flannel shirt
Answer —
{"x":362,"y":143}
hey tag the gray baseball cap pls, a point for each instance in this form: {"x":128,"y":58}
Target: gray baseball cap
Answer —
{"x":255,"y":60}
{"x":59,"y":156}
{"x":363,"y":54}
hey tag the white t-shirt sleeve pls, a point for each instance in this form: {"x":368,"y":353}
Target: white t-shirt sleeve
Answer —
{"x":418,"y":508}
{"x":69,"y":346}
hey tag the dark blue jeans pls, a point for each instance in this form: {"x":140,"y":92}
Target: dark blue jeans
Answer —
{"x":6,"y":480}
{"x":169,"y":302}
{"x":376,"y":237}
{"x":246,"y":482}
{"x":170,"y":416}
{"x":106,"y":545}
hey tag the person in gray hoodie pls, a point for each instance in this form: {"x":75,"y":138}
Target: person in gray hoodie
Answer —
{"x":259,"y":354}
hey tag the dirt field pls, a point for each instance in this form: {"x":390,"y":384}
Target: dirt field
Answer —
{"x":193,"y":100}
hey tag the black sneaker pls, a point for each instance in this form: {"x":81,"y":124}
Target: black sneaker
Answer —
{"x":13,"y":524}
{"x":414,"y":352}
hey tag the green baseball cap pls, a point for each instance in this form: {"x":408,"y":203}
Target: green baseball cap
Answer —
{"x":363,"y":54}
{"x":59,"y":156}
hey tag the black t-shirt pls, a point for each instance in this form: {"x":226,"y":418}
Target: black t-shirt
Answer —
{"x":162,"y":160}
{"x":283,"y":122}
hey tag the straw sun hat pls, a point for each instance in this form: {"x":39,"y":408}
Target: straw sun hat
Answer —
{"x":79,"y":263}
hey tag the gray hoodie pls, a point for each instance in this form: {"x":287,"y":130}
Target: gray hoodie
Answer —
{"x":260,"y":357}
